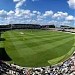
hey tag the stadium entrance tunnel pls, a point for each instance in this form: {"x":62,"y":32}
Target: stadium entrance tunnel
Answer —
{"x":3,"y":55}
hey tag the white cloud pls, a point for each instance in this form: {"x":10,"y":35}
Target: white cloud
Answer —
{"x":53,"y":22}
{"x":42,"y":16}
{"x":27,"y":16}
{"x":48,"y":13}
{"x":65,"y":23}
{"x":70,"y":18}
{"x":23,"y":13}
{"x":10,"y":13}
{"x":26,"y":12}
{"x":35,"y":0}
{"x":71,"y":3}
{"x":16,"y":0}
{"x":19,"y":3}
{"x":36,"y":12}
{"x":3,"y":13}
{"x":60,"y":15}
{"x":58,"y":23}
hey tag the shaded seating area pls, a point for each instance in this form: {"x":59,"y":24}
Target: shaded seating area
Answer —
{"x":2,"y":39}
{"x":3,"y":55}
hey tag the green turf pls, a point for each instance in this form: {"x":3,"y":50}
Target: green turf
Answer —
{"x":37,"y":47}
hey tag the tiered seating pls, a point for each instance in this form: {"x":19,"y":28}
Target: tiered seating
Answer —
{"x":66,"y":68}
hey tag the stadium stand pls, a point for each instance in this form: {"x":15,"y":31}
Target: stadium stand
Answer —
{"x":47,"y":26}
{"x":36,"y":26}
{"x":65,"y":68}
{"x":25,"y":26}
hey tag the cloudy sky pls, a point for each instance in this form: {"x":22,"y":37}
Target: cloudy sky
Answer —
{"x":58,"y":12}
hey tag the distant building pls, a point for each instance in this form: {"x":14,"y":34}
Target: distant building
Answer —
{"x":25,"y":26}
{"x":5,"y":27}
{"x":64,"y":27}
{"x":47,"y":26}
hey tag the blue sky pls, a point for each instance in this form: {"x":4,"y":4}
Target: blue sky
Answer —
{"x":58,"y":12}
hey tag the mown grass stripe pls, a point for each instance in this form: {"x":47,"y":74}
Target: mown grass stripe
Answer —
{"x":61,"y":58}
{"x":46,"y":55}
{"x":44,"y":46}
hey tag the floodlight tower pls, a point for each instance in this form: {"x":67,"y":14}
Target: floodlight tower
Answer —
{"x":11,"y":27}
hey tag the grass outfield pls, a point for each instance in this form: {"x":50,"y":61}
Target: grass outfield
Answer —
{"x":37,"y":47}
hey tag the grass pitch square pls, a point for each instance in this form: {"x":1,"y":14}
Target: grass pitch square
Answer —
{"x":33,"y":48}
